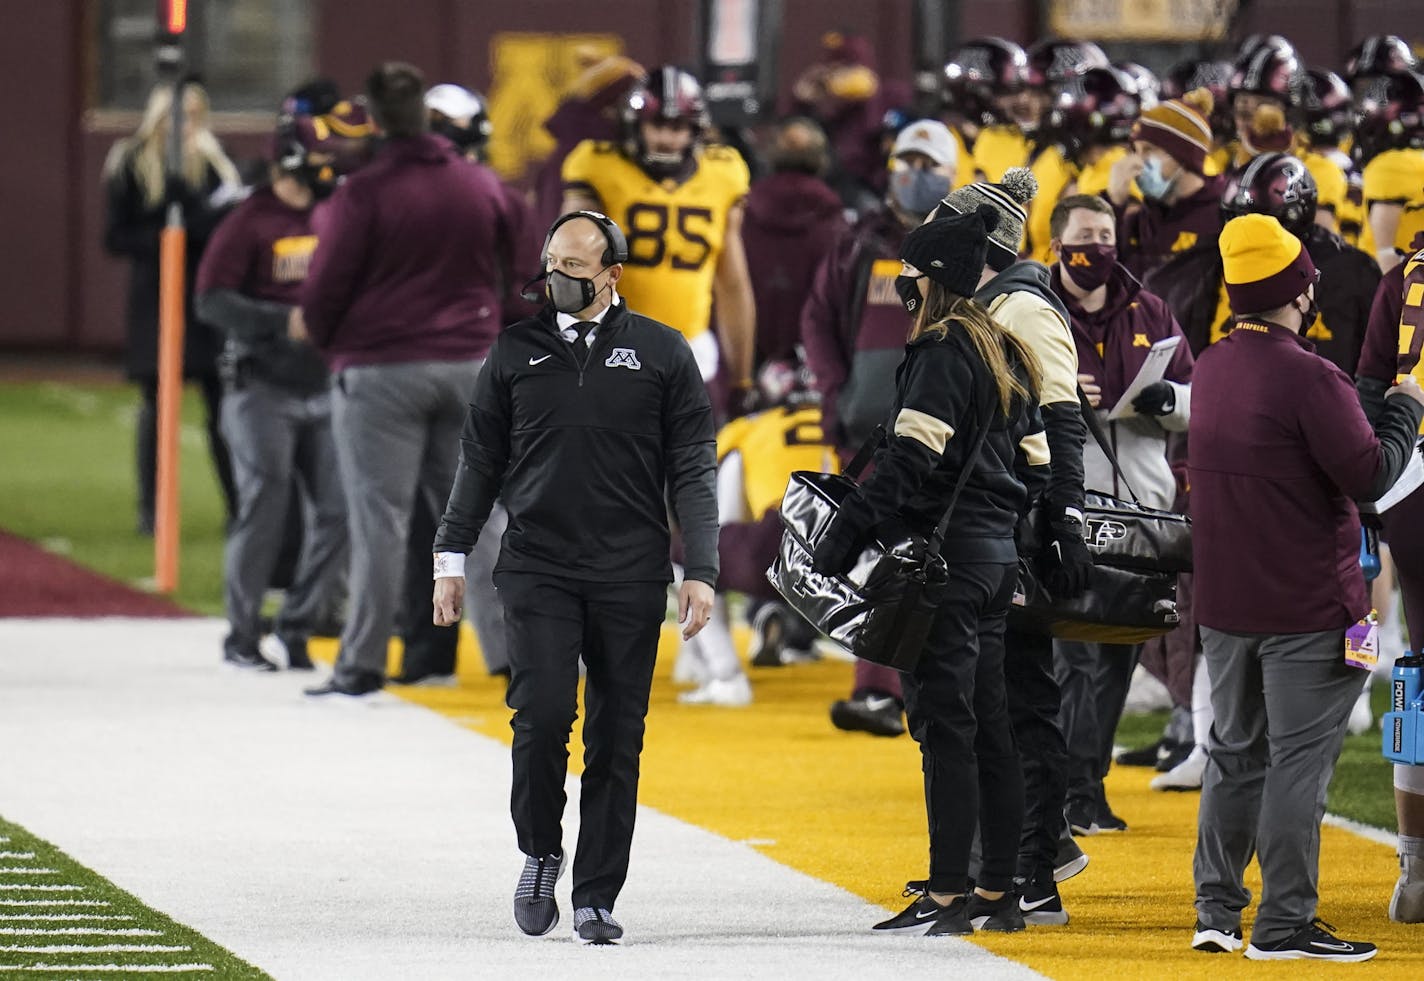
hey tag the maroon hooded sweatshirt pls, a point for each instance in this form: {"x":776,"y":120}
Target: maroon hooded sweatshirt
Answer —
{"x":1280,"y":450}
{"x":1149,"y":234}
{"x":407,"y":266}
{"x":792,"y":220}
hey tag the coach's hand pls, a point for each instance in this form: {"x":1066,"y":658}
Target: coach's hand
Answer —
{"x":449,"y":600}
{"x":694,"y":606}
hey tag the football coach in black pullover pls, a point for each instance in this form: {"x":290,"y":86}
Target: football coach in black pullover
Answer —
{"x":583,"y":418}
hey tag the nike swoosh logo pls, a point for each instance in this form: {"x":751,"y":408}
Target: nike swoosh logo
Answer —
{"x":929,"y":912}
{"x":534,"y":361}
{"x":876,"y":704}
{"x":1028,"y":907}
{"x":1317,"y":943}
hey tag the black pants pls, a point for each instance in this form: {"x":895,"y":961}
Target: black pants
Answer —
{"x":959,"y":715}
{"x":550,"y":622}
{"x":147,"y":449}
{"x":1034,"y":703}
{"x":428,"y":649}
{"x":1094,"y":679}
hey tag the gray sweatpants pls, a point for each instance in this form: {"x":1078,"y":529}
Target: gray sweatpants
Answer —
{"x":397,"y":435}
{"x":1281,"y":704}
{"x":275,"y":435}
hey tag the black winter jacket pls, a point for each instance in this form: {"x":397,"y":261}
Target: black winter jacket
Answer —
{"x":582,"y":453}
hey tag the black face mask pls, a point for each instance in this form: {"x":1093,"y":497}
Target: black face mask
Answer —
{"x":570,"y":294}
{"x":909,"y":289}
{"x":465,"y":138}
{"x":321,"y":179}
{"x":1309,"y":315}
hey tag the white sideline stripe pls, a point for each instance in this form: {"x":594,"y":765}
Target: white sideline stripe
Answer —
{"x":21,"y":870}
{"x":16,"y":887}
{"x":6,"y":903}
{"x":78,"y":931}
{"x":96,"y":949}
{"x":1367,"y":831}
{"x":108,"y":968}
{"x":60,"y":917}
{"x":17,"y":854}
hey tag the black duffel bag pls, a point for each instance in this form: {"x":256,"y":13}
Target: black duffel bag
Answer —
{"x":1137,"y":552}
{"x":880,"y":610}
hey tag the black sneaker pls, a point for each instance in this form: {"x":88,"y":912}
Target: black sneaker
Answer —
{"x":595,"y":926}
{"x":356,"y":688}
{"x":878,"y":715}
{"x":1146,"y":756}
{"x":297,"y":657}
{"x":249,"y":659}
{"x":919,"y":916}
{"x":1000,"y":915}
{"x":1041,"y":905}
{"x":1210,"y":940}
{"x":1082,"y":815}
{"x":1106,"y":821}
{"x":769,"y":626}
{"x":535,"y":909}
{"x":1176,"y":753}
{"x":1070,"y":859}
{"x":1315,"y":941}
{"x":952,"y":920}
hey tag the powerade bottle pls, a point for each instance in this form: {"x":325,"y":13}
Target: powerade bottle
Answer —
{"x":1400,"y":727}
{"x":1369,"y":553}
{"x":1405,"y":682}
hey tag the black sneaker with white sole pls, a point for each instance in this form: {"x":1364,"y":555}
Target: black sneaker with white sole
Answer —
{"x":1070,"y":858}
{"x":1082,"y":815}
{"x":1315,"y":941}
{"x":1041,"y":905}
{"x":1000,"y":915}
{"x":535,"y":909}
{"x":879,"y":715}
{"x":952,"y":920}
{"x":1210,"y":940}
{"x":596,"y":927}
{"x":917,"y":918}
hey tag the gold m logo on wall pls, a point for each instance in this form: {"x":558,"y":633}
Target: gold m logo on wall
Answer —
{"x":532,"y":73}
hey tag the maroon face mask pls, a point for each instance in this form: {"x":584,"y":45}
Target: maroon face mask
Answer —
{"x":1089,"y":266}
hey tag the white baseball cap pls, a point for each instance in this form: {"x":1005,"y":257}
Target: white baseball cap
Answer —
{"x":930,"y":137}
{"x":453,"y":101}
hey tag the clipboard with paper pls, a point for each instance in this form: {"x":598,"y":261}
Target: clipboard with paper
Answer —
{"x":1153,"y":370}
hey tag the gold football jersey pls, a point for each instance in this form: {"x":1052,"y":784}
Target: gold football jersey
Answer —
{"x":675,"y":231}
{"x":772,"y":445}
{"x":1397,"y":177}
{"x":1411,"y":320}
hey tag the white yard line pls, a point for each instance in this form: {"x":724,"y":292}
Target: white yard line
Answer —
{"x":106,"y":968}
{"x":96,"y":949}
{"x":17,"y":854}
{"x":9,"y":903}
{"x":22,"y":870}
{"x":61,"y":917}
{"x":25,"y":887}
{"x":1366,"y":831}
{"x":78,"y":932}
{"x":364,"y":846}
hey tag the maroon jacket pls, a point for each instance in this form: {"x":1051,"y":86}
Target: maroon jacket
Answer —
{"x":853,"y":328}
{"x":792,"y":220}
{"x":1149,"y":234}
{"x":407,"y":266}
{"x":573,"y":122}
{"x":1280,"y":449}
{"x":1379,"y":354}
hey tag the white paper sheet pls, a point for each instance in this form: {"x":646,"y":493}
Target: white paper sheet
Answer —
{"x":1152,"y":371}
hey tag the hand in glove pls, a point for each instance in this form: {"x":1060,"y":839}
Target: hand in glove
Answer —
{"x":842,"y":541}
{"x":1067,"y":562}
{"x":1157,"y":399}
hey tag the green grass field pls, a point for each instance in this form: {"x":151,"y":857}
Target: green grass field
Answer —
{"x":66,"y":480}
{"x":57,"y":916}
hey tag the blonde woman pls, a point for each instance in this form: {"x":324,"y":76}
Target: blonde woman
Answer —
{"x":963,"y":374}
{"x":139,"y":188}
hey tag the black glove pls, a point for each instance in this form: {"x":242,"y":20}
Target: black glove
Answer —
{"x":1067,"y":562}
{"x":1157,"y":399}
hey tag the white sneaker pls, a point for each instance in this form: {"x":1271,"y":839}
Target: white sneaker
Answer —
{"x":1186,"y":775}
{"x":1362,"y":716}
{"x":689,"y":668}
{"x":1407,"y":903}
{"x":731,"y":693}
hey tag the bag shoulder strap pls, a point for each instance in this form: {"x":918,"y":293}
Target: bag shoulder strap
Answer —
{"x":861,"y":460}
{"x":1090,"y":416}
{"x":983,"y":413}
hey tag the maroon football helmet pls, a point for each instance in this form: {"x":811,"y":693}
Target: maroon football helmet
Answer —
{"x":667,"y":95}
{"x":1394,"y":120}
{"x":1275,"y":184}
{"x":1328,"y":107}
{"x":1055,"y":61}
{"x":978,"y":73}
{"x":1215,"y":77}
{"x":1271,"y":69}
{"x":1096,"y":108}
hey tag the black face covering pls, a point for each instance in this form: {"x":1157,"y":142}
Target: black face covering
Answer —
{"x":465,"y":138}
{"x":570,"y":294}
{"x":909,"y":289}
{"x":1309,"y":315}
{"x":321,"y":179}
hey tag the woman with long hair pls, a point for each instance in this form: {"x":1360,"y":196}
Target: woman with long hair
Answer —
{"x":140,"y":187}
{"x":963,"y":373}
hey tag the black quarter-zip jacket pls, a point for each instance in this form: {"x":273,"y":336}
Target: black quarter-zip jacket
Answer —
{"x":583,"y":450}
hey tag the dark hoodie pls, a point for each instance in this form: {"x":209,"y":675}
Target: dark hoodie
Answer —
{"x":1022,"y":300}
{"x":407,"y":264}
{"x":792,"y":220}
{"x":1149,"y":233}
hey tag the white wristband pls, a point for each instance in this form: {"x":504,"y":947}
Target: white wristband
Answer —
{"x":449,"y":565}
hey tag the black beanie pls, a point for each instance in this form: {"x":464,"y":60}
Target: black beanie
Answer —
{"x":952,"y":251}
